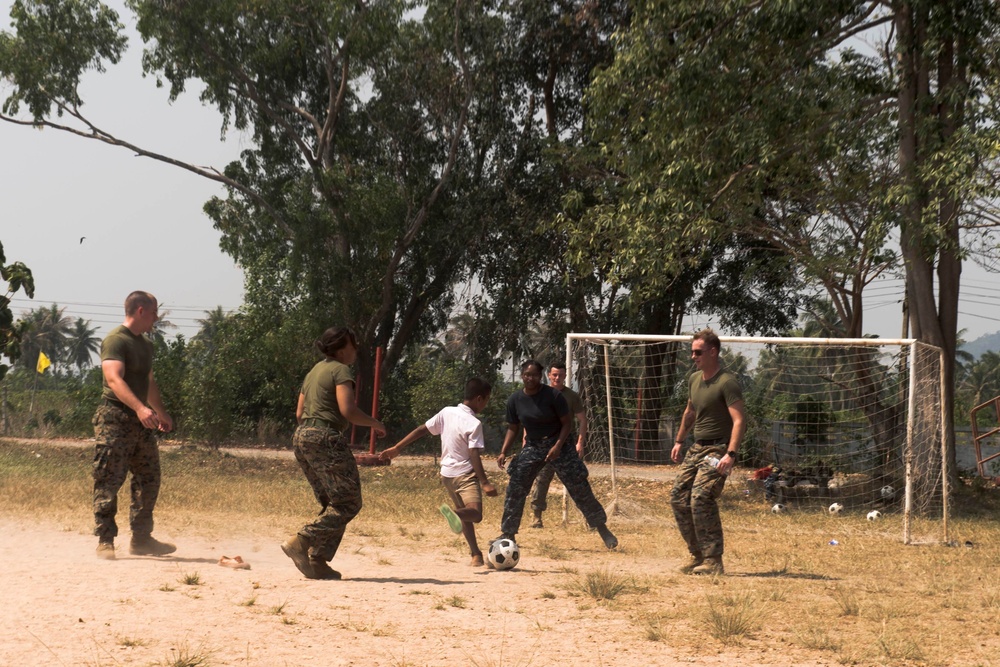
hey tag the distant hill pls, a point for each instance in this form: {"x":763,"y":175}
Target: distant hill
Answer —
{"x":983,"y":344}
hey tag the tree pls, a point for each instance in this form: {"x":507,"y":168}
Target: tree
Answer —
{"x":43,"y":330}
{"x":82,"y":344}
{"x":729,"y":104}
{"x":161,"y":327}
{"x":211,"y":326}
{"x":374,"y":136}
{"x":18,"y":277}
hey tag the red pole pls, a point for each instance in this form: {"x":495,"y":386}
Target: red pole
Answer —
{"x":378,"y":377}
{"x":357,"y":392}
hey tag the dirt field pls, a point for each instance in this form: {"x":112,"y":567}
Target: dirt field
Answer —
{"x":396,"y":606}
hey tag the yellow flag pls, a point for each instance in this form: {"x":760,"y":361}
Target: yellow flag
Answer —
{"x":43,"y":362}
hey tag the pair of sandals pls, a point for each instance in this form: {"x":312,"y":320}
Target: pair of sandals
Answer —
{"x":236,"y":563}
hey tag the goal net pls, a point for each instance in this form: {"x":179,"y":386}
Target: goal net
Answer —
{"x":856,"y":422}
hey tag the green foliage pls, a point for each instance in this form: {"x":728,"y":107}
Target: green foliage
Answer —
{"x":434,"y":384}
{"x":248,"y":376}
{"x":169,"y":368}
{"x":18,"y":277}
{"x":56,"y":42}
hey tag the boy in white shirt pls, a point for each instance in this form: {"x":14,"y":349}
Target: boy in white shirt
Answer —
{"x":462,"y":472}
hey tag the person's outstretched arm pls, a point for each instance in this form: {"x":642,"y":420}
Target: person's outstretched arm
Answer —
{"x":412,"y":437}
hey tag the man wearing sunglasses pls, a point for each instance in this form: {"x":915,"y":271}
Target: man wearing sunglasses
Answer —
{"x":715,"y":413}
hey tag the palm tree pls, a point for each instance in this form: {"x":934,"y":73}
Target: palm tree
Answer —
{"x":159,"y":332}
{"x":43,"y":330}
{"x":980,"y":380}
{"x":82,"y":344}
{"x":211,"y":326}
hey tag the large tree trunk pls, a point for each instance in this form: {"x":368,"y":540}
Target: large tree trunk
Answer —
{"x":933,"y":316}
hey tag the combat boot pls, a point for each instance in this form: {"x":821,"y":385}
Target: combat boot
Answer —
{"x":538,"y":520}
{"x":712,"y":565}
{"x":297,"y":548}
{"x":106,"y":549}
{"x":147,"y":545}
{"x":610,"y":541}
{"x":688,"y":568}
{"x":322,"y":570}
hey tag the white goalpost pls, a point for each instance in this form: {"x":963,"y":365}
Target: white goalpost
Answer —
{"x":857,"y":422}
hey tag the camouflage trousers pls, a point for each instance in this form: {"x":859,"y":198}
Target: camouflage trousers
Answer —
{"x":540,"y":491}
{"x":523,"y":469}
{"x":329,"y":466}
{"x":124,"y":446}
{"x":694,"y":500}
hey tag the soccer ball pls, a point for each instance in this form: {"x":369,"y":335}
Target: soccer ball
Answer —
{"x":887,"y":492}
{"x":504,"y":554}
{"x":778,"y":508}
{"x":874,"y":515}
{"x":836,"y":508}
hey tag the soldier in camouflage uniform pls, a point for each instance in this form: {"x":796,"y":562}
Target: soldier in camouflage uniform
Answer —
{"x":325,"y":410}
{"x":130,"y":411}
{"x":545,"y":415}
{"x":715,"y":412}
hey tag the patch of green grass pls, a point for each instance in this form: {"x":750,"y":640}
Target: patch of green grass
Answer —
{"x":818,"y":639}
{"x":847,"y":600}
{"x":184,"y":656}
{"x":603,"y":584}
{"x":190,"y":579}
{"x":733,"y":617}
{"x":550,"y":549}
{"x":131,"y":642}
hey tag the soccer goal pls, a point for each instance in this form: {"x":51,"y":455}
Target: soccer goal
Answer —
{"x":852,"y":422}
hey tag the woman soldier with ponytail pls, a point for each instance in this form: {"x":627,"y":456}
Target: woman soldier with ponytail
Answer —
{"x":325,"y":411}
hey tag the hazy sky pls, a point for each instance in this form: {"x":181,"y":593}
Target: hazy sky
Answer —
{"x":143,"y":220}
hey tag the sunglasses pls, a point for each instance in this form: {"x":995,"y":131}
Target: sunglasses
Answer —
{"x":697,"y":353}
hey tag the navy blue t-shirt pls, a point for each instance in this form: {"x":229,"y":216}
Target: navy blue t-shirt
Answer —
{"x":540,"y":414}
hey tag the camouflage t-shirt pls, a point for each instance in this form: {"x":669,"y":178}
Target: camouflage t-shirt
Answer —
{"x":136,"y":352}
{"x":320,"y":392}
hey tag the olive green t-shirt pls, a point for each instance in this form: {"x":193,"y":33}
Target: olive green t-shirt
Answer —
{"x":575,"y":404}
{"x":711,"y":401}
{"x":320,"y":392}
{"x":136,"y":352}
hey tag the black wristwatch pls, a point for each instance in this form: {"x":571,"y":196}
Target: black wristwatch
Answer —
{"x":731,"y":454}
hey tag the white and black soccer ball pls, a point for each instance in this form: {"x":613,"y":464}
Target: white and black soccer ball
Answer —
{"x":778,"y":508}
{"x":888,"y":492}
{"x":836,"y":508}
{"x":874,"y":515}
{"x":504,"y":554}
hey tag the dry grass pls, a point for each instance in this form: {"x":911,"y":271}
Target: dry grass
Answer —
{"x":870,"y":600}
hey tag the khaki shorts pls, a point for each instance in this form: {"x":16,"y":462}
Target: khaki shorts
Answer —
{"x":464,"y":490}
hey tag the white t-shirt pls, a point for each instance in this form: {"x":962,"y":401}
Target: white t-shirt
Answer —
{"x":460,"y":431}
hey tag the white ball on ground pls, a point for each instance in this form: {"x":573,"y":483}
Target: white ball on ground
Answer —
{"x":778,"y":508}
{"x":504,"y":554}
{"x":836,"y":508}
{"x":887,"y":492}
{"x":874,"y":515}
